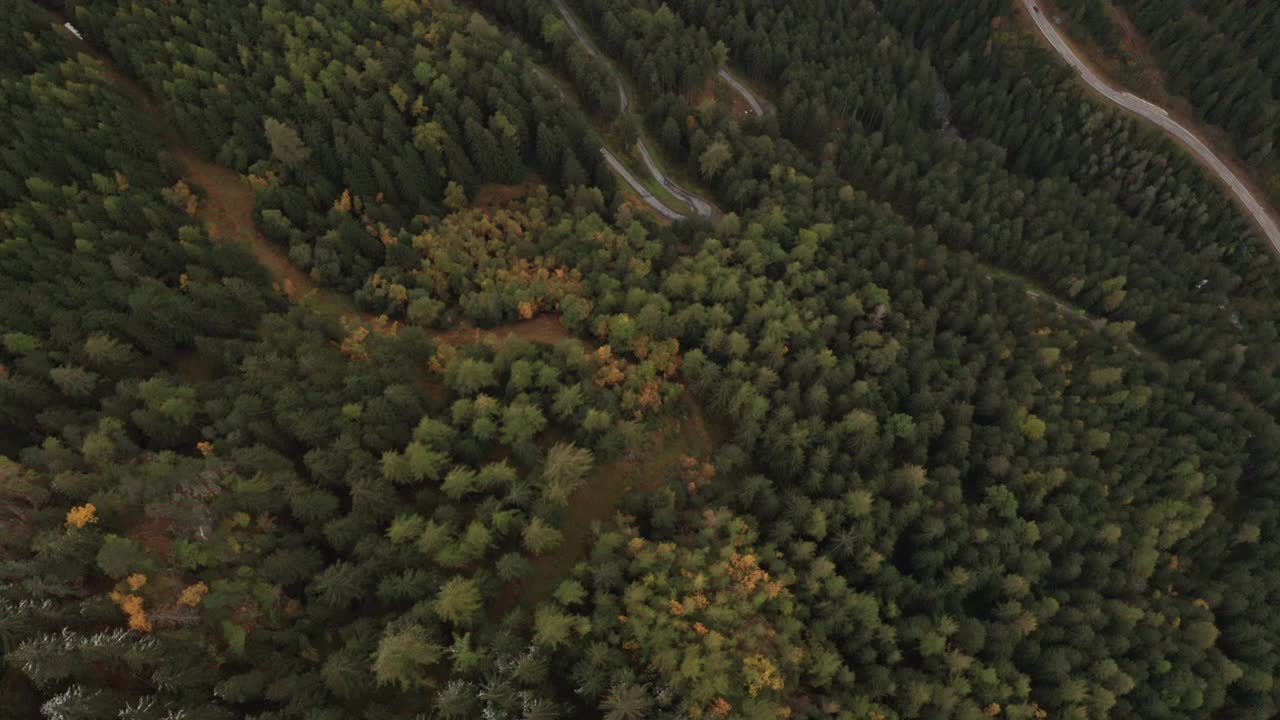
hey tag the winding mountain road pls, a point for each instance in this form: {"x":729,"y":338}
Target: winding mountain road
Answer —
{"x":639,"y":187}
{"x":1159,"y":117}
{"x":699,"y":205}
{"x":756,"y":106}
{"x":624,"y":100}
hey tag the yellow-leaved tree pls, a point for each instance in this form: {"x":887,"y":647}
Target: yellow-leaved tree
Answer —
{"x":708,"y":617}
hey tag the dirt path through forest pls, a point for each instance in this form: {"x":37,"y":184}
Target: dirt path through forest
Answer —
{"x":543,"y":330}
{"x":227,"y":212}
{"x":752,"y":101}
{"x":226,"y":208}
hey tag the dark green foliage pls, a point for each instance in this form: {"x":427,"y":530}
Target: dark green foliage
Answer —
{"x":1222,"y":56}
{"x":935,"y":491}
{"x":390,"y":110}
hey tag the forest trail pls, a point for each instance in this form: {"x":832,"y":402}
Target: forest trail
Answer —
{"x":1044,"y":296}
{"x":227,"y":211}
{"x":226,"y":208}
{"x":543,"y":330}
{"x":700,"y":206}
{"x":757,"y":107}
{"x":624,"y":99}
{"x":1263,"y":216}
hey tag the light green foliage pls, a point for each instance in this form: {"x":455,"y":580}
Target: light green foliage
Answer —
{"x":286,"y":145}
{"x":541,"y":538}
{"x":469,"y":376}
{"x":570,"y":593}
{"x":406,"y":528}
{"x":458,"y":601}
{"x":521,"y":421}
{"x":715,"y":158}
{"x":1033,"y":427}
{"x":404,"y":658}
{"x":564,"y":472}
{"x":20,"y":343}
{"x":120,"y":556}
{"x":459,"y":482}
{"x":552,"y":629}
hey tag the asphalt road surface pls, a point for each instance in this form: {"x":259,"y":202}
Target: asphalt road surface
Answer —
{"x":624,"y":100}
{"x":699,"y":206}
{"x":662,"y":208}
{"x":744,"y":91}
{"x":1157,"y":116}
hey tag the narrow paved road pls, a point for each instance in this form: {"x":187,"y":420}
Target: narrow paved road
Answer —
{"x":660,"y":207}
{"x":744,"y":91}
{"x":1159,"y":117}
{"x":624,"y":100}
{"x":699,"y":206}
{"x":639,"y":187}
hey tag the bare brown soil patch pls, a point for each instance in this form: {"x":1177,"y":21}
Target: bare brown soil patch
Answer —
{"x":737,"y":104}
{"x":227,"y":212}
{"x":544,"y":329}
{"x":506,"y":196}
{"x":227,"y":205}
{"x":156,"y":535}
{"x":717,"y":90}
{"x":193,"y":367}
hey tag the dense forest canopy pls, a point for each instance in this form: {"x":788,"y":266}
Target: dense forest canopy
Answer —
{"x":341,"y":377}
{"x":1222,"y":56}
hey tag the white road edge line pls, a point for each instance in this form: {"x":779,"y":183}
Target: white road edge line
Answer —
{"x":1159,"y":117}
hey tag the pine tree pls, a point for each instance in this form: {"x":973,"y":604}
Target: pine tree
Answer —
{"x":458,"y":601}
{"x":286,"y":145}
{"x":627,"y":702}
{"x":564,"y":471}
{"x":405,"y":656}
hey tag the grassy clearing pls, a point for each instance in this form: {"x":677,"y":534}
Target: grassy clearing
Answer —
{"x":660,"y":192}
{"x":493,"y":196}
